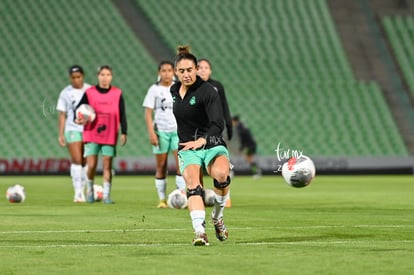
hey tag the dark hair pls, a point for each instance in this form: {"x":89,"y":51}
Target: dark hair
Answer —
{"x":205,"y":60}
{"x":236,"y":118}
{"x":183,"y":52}
{"x":100,"y":68}
{"x":75,"y":69}
{"x":165,"y":62}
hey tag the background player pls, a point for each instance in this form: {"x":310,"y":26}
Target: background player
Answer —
{"x":162,"y":130}
{"x":204,"y":71}
{"x":70,"y":133}
{"x":101,"y":135}
{"x":248,"y":145}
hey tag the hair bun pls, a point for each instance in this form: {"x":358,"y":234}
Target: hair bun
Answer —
{"x":183,"y":49}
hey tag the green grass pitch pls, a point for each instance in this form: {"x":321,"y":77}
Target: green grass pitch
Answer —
{"x":337,"y":225}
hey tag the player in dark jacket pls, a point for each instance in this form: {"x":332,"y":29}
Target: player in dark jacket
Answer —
{"x":204,"y":71}
{"x":199,"y":116}
{"x":248,"y":145}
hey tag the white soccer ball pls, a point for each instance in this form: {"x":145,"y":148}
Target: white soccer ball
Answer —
{"x":209,"y":196}
{"x":177,"y":199}
{"x":87,"y":112}
{"x":298,"y":172}
{"x":16,"y":193}
{"x":97,"y":192}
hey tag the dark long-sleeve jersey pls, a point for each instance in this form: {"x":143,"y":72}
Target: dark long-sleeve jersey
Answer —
{"x":198,"y":114}
{"x":245,"y":136}
{"x":224,"y":104}
{"x":122,"y":113}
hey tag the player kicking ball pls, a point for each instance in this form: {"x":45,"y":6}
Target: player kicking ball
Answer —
{"x":199,"y":116}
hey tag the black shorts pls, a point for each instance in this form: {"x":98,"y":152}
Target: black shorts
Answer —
{"x":251,"y":150}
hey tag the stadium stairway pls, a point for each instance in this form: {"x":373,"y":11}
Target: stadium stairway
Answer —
{"x":400,"y":31}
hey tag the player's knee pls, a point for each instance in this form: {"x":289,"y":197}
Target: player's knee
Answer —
{"x":222,"y":184}
{"x":198,"y":191}
{"x":221,"y":176}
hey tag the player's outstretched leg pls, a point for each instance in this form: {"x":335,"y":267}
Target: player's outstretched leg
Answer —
{"x":217,"y":214}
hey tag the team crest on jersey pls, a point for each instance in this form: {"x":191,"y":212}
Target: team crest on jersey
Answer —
{"x":192,"y":100}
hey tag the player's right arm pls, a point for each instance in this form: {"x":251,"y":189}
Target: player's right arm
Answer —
{"x":61,"y":107}
{"x":149,"y":104}
{"x":61,"y":127}
{"x":153,"y":138}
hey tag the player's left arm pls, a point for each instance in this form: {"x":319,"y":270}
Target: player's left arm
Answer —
{"x":123,"y":120}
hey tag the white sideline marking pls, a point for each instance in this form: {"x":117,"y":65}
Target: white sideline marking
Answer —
{"x":185,"y":229}
{"x":324,"y":243}
{"x":331,"y":242}
{"x":90,"y":231}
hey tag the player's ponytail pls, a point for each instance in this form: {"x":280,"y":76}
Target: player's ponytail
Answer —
{"x":183,"y":52}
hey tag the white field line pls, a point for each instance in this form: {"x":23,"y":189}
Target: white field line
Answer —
{"x":302,"y":243}
{"x":186,"y":229}
{"x":313,"y":242}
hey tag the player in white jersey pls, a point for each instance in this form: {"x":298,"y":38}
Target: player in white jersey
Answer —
{"x":162,"y":129}
{"x":70,"y":133}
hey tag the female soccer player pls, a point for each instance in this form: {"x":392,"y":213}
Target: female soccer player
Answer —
{"x":70,"y":133}
{"x":204,"y":71}
{"x":101,"y":135}
{"x":199,"y":116}
{"x":162,"y":130}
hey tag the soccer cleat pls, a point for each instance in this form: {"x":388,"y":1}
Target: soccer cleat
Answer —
{"x":162,"y":204}
{"x":79,"y":198}
{"x":89,"y":197}
{"x":200,"y":240}
{"x":108,"y":201}
{"x":221,"y":231}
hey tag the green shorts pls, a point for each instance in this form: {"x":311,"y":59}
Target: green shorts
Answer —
{"x":73,"y":136}
{"x":93,"y":149}
{"x":201,"y":157}
{"x":167,"y":141}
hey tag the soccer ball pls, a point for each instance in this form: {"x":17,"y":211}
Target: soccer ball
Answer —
{"x":298,"y":172}
{"x":97,"y":192}
{"x":177,"y":199}
{"x":15,"y":194}
{"x":209,"y":196}
{"x":86,"y":112}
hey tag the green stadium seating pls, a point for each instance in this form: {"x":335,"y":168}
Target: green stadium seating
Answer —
{"x":285,"y":72}
{"x":40,"y":40}
{"x":281,"y":62}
